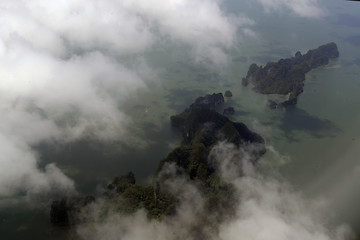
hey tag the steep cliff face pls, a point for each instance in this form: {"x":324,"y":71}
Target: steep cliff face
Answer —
{"x":287,"y":76}
{"x":210,"y":101}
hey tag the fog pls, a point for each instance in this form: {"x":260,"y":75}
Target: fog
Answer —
{"x":268,"y":208}
{"x":63,"y":80}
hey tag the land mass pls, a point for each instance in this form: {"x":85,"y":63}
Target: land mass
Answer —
{"x":202,"y":128}
{"x":287,"y":76}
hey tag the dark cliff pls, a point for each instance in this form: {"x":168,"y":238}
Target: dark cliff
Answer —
{"x":287,"y":76}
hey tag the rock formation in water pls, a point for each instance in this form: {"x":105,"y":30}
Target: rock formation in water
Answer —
{"x":209,"y":101}
{"x":287,"y":76}
{"x":228,"y":94}
{"x":202,"y":128}
{"x":229,"y":111}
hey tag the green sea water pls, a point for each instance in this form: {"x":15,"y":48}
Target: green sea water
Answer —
{"x":320,"y":137}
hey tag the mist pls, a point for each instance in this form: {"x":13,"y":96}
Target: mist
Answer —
{"x":267,"y":208}
{"x":64,"y":78}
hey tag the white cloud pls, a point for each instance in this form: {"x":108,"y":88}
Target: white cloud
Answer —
{"x":61,"y":78}
{"x":270,"y":210}
{"x":19,"y":172}
{"x":76,"y":95}
{"x":303,"y":8}
{"x":202,"y":23}
{"x":86,"y":25}
{"x":45,"y":98}
{"x":120,"y":26}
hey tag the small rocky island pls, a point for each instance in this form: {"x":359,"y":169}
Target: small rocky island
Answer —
{"x":228,"y":94}
{"x":209,"y":101}
{"x":202,"y":128}
{"x":287,"y":76}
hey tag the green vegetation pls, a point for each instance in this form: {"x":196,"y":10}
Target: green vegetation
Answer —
{"x":128,"y":197}
{"x":287,"y":76}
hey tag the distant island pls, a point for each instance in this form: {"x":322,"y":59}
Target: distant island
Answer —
{"x":287,"y":76}
{"x":202,"y":128}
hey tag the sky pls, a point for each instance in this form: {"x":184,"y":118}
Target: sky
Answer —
{"x":62,"y":79}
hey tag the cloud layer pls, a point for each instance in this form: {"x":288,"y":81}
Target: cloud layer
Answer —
{"x":62,"y":80}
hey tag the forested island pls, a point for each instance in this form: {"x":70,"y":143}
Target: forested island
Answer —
{"x":287,"y":76}
{"x":202,"y":128}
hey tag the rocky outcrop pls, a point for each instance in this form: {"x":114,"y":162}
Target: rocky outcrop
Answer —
{"x":218,"y":127}
{"x":287,"y":76}
{"x":209,"y":101}
{"x":228,"y":94}
{"x":229,"y":111}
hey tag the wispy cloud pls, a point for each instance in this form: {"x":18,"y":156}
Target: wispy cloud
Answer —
{"x":267,"y":208}
{"x":62,"y":80}
{"x":302,"y":8}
